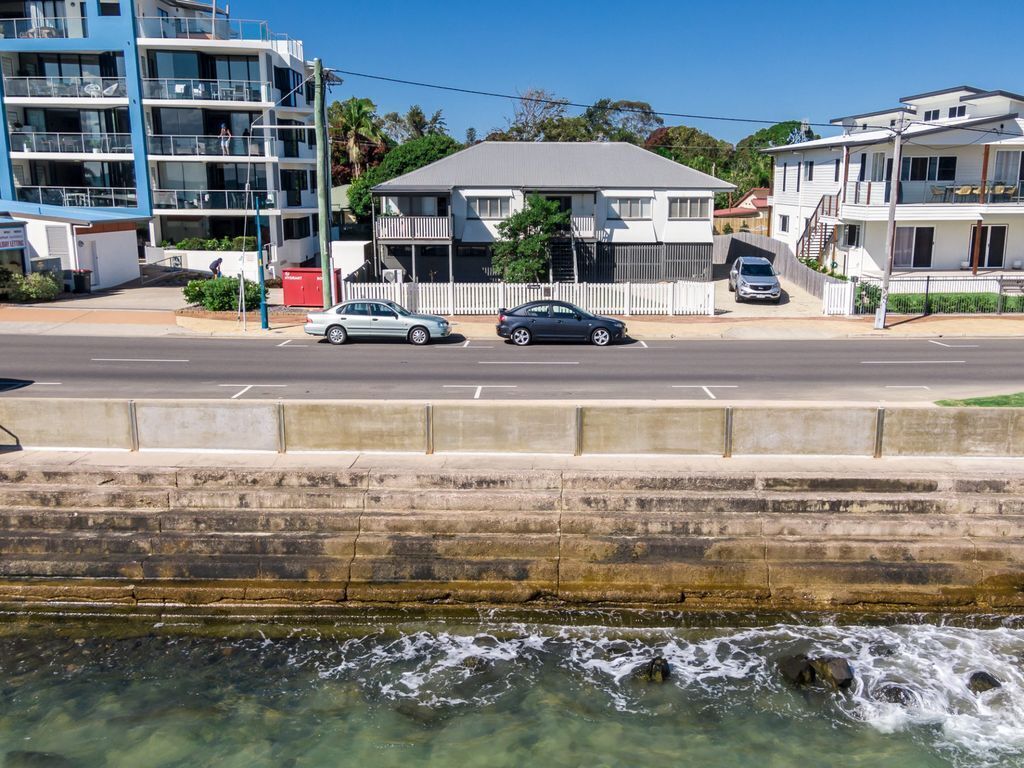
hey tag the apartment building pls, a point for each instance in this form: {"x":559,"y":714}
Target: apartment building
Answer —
{"x":959,"y":188}
{"x":634,"y":215}
{"x":158,"y":110}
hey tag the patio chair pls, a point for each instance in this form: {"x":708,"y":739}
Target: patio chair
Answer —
{"x":938,"y":194}
{"x":961,"y":194}
{"x":1011,"y":194}
{"x":997,"y":193}
{"x":112,"y":90}
{"x":93,"y":90}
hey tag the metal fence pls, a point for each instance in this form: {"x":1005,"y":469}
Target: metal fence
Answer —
{"x":644,"y":262}
{"x":926,"y":295}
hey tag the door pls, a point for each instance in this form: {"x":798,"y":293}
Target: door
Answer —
{"x":384,"y":321}
{"x":924,"y":238}
{"x":903,"y":253}
{"x":993,"y":246}
{"x":567,"y":323}
{"x":355,"y":316}
{"x":539,"y":321}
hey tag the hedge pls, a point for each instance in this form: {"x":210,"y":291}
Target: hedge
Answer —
{"x":869,"y":296}
{"x":247,"y":243}
{"x":220,"y":294}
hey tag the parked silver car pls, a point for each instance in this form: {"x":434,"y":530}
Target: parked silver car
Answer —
{"x":368,"y":318}
{"x":753,"y":277}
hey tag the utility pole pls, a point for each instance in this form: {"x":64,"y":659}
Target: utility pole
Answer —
{"x":890,"y":230}
{"x":323,"y":181}
{"x":264,"y":322}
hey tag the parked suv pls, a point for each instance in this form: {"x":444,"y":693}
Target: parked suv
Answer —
{"x":753,"y":277}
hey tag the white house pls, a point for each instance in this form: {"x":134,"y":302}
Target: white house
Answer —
{"x":635,"y":215}
{"x":960,"y":176}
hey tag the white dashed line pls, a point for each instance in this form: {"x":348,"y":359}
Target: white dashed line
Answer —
{"x":247,"y":387}
{"x":479,"y":387}
{"x":707,"y":389}
{"x":952,"y":346}
{"x":912,"y":362}
{"x":135,"y":360}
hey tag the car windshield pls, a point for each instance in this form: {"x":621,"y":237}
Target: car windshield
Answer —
{"x":757,"y":270}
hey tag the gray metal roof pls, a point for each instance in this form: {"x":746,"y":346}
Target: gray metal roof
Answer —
{"x":553,"y":166}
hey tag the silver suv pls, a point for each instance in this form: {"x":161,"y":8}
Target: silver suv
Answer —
{"x":753,"y":277}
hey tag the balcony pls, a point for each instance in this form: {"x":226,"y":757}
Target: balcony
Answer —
{"x":211,"y":200}
{"x":72,"y":143}
{"x":201,"y":28}
{"x":959,"y":192}
{"x":583,"y":227}
{"x":43,"y":27}
{"x":66,"y":87}
{"x":413,"y":228}
{"x":195,"y":146}
{"x":80,"y":197}
{"x":186,"y":89}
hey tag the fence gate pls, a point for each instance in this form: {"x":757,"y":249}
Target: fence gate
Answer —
{"x":838,"y":298}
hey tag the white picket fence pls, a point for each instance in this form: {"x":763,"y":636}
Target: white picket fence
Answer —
{"x":679,"y":298}
{"x":838,"y":298}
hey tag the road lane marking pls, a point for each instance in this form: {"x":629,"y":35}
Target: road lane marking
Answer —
{"x":643,"y":344}
{"x":952,"y":346}
{"x":524,"y":362}
{"x":46,"y":383}
{"x":247,"y":387}
{"x":707,"y":389}
{"x":283,"y":343}
{"x":466,"y":344}
{"x":479,"y":387}
{"x":294,"y":346}
{"x":906,"y":386}
{"x":912,"y":362}
{"x":135,"y":360}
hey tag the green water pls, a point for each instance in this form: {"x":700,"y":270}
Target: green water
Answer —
{"x":398,"y":690}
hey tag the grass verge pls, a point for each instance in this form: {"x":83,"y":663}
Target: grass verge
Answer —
{"x":993,"y":401}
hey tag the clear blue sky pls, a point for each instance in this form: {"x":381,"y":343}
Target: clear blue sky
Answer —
{"x":767,"y":60}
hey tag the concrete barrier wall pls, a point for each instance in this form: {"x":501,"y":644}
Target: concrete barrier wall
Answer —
{"x":477,"y":427}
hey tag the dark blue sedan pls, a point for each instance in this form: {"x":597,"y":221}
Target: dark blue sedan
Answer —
{"x":557,"y":321}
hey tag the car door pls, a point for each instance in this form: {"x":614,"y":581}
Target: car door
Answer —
{"x":384,"y":321}
{"x":355,"y":316}
{"x":568,"y":324}
{"x":538,"y":320}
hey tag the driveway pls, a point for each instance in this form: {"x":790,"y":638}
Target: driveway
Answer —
{"x":796,"y":302}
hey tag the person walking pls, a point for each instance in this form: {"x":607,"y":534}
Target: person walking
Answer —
{"x":225,"y":139}
{"x":215,"y":266}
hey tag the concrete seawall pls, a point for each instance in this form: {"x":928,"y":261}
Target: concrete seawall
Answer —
{"x":732,"y":540}
{"x":511,"y":427}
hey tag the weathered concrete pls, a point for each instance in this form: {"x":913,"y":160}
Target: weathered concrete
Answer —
{"x":956,"y":431}
{"x":495,"y":428}
{"x":77,"y":423}
{"x":655,"y":429}
{"x":202,"y":424}
{"x":821,"y":431}
{"x":349,"y":426}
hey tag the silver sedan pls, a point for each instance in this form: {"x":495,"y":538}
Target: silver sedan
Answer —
{"x":367,"y":318}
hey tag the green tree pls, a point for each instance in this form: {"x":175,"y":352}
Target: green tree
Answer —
{"x":691,"y":146}
{"x":402,"y":159}
{"x":355,"y":122}
{"x":521,"y":255}
{"x":414,"y":124}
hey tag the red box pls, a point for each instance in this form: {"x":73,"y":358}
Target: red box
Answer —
{"x":303,"y":286}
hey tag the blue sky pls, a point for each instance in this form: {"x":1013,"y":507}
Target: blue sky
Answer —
{"x":766,"y":60}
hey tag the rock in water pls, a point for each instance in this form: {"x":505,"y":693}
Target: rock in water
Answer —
{"x":22,"y":759}
{"x":797,"y":670}
{"x":980,"y":682}
{"x":654,"y":671}
{"x":895,"y":694}
{"x":834,"y":670}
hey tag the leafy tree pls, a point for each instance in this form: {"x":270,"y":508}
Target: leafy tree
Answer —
{"x":692,"y":147}
{"x":402,"y":159}
{"x":470,"y":136}
{"x":413,"y":124}
{"x":521,"y":255}
{"x":622,"y":120}
{"x":535,"y":108}
{"x":355,"y":122}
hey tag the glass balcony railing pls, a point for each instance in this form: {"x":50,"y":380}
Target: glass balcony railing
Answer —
{"x":80,"y":197}
{"x":66,"y":87}
{"x":42,"y":27}
{"x":210,"y":199}
{"x":72,"y":143}
{"x":205,"y":90}
{"x":969,"y":192}
{"x":201,"y":28}
{"x":191,"y":146}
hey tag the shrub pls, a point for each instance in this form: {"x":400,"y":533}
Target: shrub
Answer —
{"x":869,"y":297}
{"x":6,"y":278}
{"x":727,"y":229}
{"x":247,"y":243}
{"x":221,"y":294}
{"x":37,"y":286}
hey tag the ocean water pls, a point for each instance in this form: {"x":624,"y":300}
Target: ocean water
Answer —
{"x":493,"y":689}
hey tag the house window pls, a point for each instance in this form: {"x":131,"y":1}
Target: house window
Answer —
{"x":783,"y":223}
{"x":878,"y":166}
{"x":851,"y":235}
{"x":931,"y":114}
{"x":799,"y":172}
{"x":785,"y":168}
{"x":809,"y":168}
{"x":837,"y":170}
{"x":629,"y":207}
{"x":928,"y":168}
{"x":958,"y":111}
{"x":110,"y":7}
{"x":488,"y":207}
{"x":296,"y":229}
{"x":688,"y":207}
{"x":862,"y":174}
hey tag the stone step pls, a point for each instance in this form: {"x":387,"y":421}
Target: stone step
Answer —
{"x":144,"y":545}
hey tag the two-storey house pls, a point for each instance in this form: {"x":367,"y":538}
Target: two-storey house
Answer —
{"x":959,"y":189}
{"x":634,"y":215}
{"x":160,"y":110}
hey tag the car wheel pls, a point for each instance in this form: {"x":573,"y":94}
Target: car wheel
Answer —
{"x":521,"y":337}
{"x":336,"y":335}
{"x":419,"y":336}
{"x":600,"y":337}
{"x":738,"y":299}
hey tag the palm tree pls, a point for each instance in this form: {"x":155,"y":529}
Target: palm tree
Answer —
{"x":355,"y":120}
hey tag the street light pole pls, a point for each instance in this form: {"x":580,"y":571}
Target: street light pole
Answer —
{"x":322,"y":182}
{"x":264,"y":322}
{"x":890,"y":230}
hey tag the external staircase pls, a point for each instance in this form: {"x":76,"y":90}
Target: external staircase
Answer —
{"x":818,"y":240}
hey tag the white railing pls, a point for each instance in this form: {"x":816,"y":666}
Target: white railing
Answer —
{"x":201,"y":28}
{"x":211,"y":199}
{"x":71,"y":143}
{"x":838,"y":298}
{"x":190,"y":89}
{"x":66,"y":87}
{"x":42,"y":27}
{"x":679,"y":298}
{"x":80,"y":197}
{"x":583,"y":226}
{"x":236,"y":146}
{"x":413,"y":228}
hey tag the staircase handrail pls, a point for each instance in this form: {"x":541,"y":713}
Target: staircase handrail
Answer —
{"x":803,"y":242}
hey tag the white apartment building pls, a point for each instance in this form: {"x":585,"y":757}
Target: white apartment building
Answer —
{"x":960,"y":181}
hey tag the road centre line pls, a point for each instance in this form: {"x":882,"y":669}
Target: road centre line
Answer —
{"x":525,"y":362}
{"x":912,"y":362}
{"x":906,"y":386}
{"x":135,"y":360}
{"x":45,"y":383}
{"x":952,"y":346}
{"x":707,"y":389}
{"x":479,"y":387}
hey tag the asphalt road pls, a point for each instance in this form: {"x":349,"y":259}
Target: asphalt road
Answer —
{"x":863,"y":370}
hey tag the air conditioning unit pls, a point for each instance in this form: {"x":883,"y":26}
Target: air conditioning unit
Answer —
{"x":394,"y":275}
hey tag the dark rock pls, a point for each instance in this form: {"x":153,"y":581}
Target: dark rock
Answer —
{"x":980,"y":682}
{"x":835,"y":671}
{"x":20,"y":759}
{"x":797,"y":670}
{"x":895,"y":694}
{"x":882,"y":649}
{"x":475,"y":662}
{"x":654,"y":671}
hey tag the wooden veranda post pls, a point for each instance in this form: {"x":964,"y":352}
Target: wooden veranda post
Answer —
{"x":976,"y":256}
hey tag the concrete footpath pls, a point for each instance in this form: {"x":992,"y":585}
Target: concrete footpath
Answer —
{"x":82,"y":321}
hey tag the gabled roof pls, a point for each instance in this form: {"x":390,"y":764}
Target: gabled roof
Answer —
{"x":942,"y":92}
{"x":554,"y":166}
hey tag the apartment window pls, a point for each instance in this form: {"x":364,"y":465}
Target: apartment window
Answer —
{"x":928,"y":168}
{"x":958,"y":111}
{"x":688,"y":207}
{"x":488,"y":207}
{"x":862,"y":174}
{"x":287,"y":82}
{"x":931,"y":114}
{"x":295,"y":180}
{"x":809,"y":170}
{"x":799,"y":173}
{"x":851,"y":235}
{"x":785,"y":168}
{"x":629,"y":207}
{"x":783,"y":223}
{"x":296,"y":229}
{"x":110,"y":7}
{"x":312,"y":181}
{"x":878,"y":166}
{"x":837,"y":169}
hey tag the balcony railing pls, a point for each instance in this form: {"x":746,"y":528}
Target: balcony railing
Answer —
{"x":201,"y":28}
{"x":42,"y":27}
{"x":583,"y":226}
{"x":71,"y":143}
{"x":413,"y":228}
{"x":67,"y":87}
{"x":210,"y":199}
{"x":936,"y":192}
{"x":205,"y":90}
{"x":190,"y":146}
{"x":80,"y":197}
